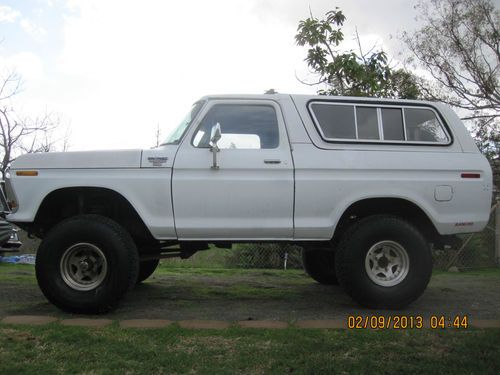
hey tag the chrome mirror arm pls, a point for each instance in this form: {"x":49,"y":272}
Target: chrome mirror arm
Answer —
{"x":215,"y":136}
{"x":214,"y":149}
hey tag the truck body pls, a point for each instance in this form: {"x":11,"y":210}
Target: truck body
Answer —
{"x":284,"y":168}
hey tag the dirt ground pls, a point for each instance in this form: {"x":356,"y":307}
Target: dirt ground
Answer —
{"x":235,"y":294}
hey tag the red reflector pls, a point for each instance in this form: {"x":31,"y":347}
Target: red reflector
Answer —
{"x":471,"y":175}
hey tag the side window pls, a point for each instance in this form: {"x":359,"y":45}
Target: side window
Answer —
{"x":392,"y":124}
{"x":423,"y":126}
{"x":335,"y":121}
{"x":383,"y":123}
{"x":242,"y":126}
{"x":367,"y":121}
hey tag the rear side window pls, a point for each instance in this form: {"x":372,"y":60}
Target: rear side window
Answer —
{"x":378,"y":123}
{"x":423,"y":126}
{"x":336,"y":121}
{"x":392,"y":123}
{"x":367,"y":121}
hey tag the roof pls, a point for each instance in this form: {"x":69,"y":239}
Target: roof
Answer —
{"x":312,"y":97}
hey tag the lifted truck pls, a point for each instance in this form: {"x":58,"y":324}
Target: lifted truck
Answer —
{"x":364,"y":185}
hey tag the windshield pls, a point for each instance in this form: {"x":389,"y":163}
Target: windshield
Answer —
{"x":176,"y":135}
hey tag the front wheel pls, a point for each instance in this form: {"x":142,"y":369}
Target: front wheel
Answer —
{"x":383,"y":261}
{"x":86,"y":264}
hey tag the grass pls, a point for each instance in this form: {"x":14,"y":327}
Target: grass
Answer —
{"x":483,"y":272}
{"x":232,"y":283}
{"x":213,"y":258}
{"x":289,"y":275}
{"x":56,"y":349}
{"x":24,"y":273}
{"x":242,"y":292}
{"x":17,"y":273}
{"x":59,"y":350}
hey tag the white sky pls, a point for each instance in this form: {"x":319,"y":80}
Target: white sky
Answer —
{"x":116,"y":69}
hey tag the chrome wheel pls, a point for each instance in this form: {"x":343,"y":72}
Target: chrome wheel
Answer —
{"x":83,"y":267}
{"x":387,"y":263}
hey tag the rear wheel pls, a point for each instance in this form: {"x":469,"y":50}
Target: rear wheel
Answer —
{"x":86,"y":264}
{"x":320,"y":265}
{"x":146,"y":269}
{"x":383,"y":262}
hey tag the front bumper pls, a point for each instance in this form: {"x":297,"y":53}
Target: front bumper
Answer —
{"x":4,"y":207}
{"x":9,"y":240}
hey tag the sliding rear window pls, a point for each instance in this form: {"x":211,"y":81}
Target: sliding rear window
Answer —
{"x":378,"y":123}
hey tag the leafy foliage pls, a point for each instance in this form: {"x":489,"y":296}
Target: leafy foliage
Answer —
{"x":350,"y":73}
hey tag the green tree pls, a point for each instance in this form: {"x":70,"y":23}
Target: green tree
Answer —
{"x":459,"y":46}
{"x":350,"y":73}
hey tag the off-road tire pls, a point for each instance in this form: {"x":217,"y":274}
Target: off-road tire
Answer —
{"x":353,"y":270}
{"x":320,"y":265}
{"x":120,"y":253}
{"x":146,"y":269}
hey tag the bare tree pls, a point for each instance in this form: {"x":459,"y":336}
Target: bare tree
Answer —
{"x":10,"y":85}
{"x":20,"y":134}
{"x":459,"y":46}
{"x":42,"y":139}
{"x":65,"y":141}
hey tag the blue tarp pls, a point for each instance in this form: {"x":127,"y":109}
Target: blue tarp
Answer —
{"x":19,"y":259}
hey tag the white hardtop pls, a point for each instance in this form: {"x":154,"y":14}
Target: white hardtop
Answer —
{"x":306,"y":98}
{"x":459,"y":131}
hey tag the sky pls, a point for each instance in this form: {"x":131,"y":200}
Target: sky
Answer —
{"x":114,"y":70}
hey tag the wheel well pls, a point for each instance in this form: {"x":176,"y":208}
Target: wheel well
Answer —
{"x":387,"y":206}
{"x":64,"y":203}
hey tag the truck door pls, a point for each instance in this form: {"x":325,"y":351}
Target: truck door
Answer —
{"x":250,"y":194}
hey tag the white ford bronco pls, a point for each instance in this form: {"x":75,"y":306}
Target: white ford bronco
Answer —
{"x":366,"y":186}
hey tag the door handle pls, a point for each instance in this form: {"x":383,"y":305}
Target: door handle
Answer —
{"x":272,"y":161}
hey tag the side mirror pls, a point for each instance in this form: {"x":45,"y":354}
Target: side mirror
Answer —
{"x":215,"y":136}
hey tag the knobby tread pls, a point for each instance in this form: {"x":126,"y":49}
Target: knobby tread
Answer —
{"x":125,"y":247}
{"x":345,"y":261}
{"x":146,"y":269}
{"x":320,"y":266}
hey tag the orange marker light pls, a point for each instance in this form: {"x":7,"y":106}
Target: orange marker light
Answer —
{"x":26,"y":173}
